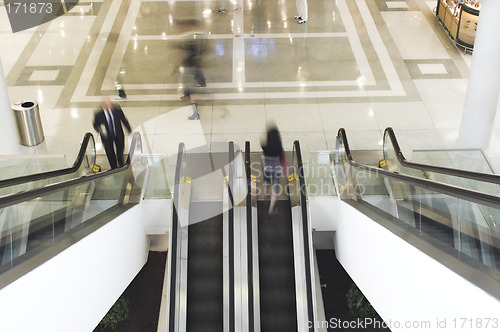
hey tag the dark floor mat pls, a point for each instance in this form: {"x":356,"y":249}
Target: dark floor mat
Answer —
{"x":335,"y":283}
{"x":144,"y":296}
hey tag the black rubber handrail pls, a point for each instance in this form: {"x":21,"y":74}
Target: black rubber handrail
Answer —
{"x":305,"y":233}
{"x":231,"y":237}
{"x":484,"y":177}
{"x":447,"y":189}
{"x":251,"y":323}
{"x":55,"y":187}
{"x":59,"y":172}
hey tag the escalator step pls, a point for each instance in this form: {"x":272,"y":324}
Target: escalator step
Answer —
{"x":205,"y":276}
{"x":276,"y":265}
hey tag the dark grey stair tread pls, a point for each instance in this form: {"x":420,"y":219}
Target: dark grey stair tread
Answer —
{"x":205,"y":275}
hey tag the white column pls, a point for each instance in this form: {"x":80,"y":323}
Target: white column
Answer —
{"x":481,"y":99}
{"x":9,"y":141}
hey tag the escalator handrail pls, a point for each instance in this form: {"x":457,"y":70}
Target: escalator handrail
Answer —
{"x":55,"y":187}
{"x":447,"y":189}
{"x":491,"y":178}
{"x":173,"y":244}
{"x":231,"y":238}
{"x":59,"y":172}
{"x":305,"y":226}
{"x":251,"y":317}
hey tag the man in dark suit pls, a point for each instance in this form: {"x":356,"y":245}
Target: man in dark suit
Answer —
{"x":108,"y":122}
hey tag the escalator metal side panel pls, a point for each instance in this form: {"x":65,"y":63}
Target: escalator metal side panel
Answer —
{"x":184,"y":204}
{"x":255,"y":265}
{"x":182,"y":266}
{"x":241,"y":295}
{"x":302,"y":240}
{"x":226,"y":261}
{"x":170,"y":270}
{"x":241,"y":248}
{"x":180,"y":270}
{"x":300,"y":272}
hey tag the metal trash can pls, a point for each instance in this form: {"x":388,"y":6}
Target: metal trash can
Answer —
{"x":29,"y":125}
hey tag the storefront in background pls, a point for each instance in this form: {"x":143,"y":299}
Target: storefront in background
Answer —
{"x":460,"y":18}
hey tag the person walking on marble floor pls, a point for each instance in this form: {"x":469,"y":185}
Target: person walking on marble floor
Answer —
{"x":301,"y":11}
{"x":108,"y":122}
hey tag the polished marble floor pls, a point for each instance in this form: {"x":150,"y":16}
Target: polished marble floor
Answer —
{"x":359,"y":64}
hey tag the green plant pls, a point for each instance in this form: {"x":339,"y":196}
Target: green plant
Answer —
{"x":118,"y":313}
{"x":358,"y":305}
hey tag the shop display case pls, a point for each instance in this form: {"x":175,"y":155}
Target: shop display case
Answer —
{"x":459,"y":18}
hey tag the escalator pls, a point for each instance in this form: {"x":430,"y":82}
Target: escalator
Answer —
{"x":199,"y":245}
{"x":38,"y":223}
{"x":233,"y":267}
{"x":276,"y":257}
{"x":205,"y":301}
{"x":283,"y":250}
{"x":449,"y":218}
{"x":83,"y":165}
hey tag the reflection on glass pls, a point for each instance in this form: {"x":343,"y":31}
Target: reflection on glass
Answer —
{"x":319,"y":174}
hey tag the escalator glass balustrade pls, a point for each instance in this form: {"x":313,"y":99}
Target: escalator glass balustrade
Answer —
{"x":448,"y":217}
{"x":55,"y":215}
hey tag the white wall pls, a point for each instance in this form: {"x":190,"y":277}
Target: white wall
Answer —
{"x":157,"y":215}
{"x":323,"y":212}
{"x":406,"y":285}
{"x":75,"y":289}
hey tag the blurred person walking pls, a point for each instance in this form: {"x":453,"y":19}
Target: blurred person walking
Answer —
{"x":273,"y":165}
{"x":108,"y":122}
{"x":301,"y":10}
{"x":192,"y":74}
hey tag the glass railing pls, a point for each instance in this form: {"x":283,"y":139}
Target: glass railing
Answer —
{"x":475,"y":179}
{"x":463,"y":159}
{"x":51,"y":216}
{"x":23,"y":165}
{"x":161,"y":173}
{"x":38,"y":172}
{"x":481,"y":182}
{"x":319,"y":174}
{"x":448,"y":217}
